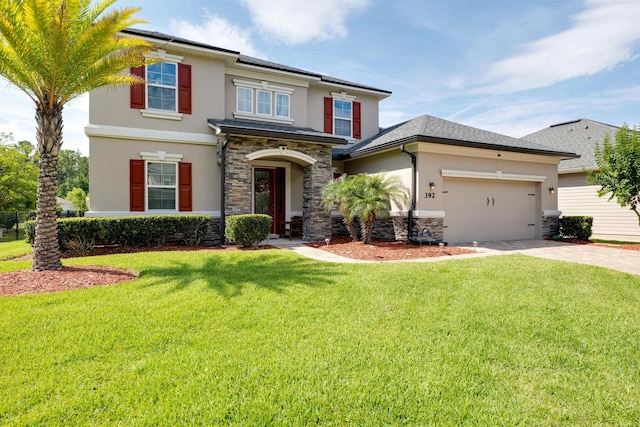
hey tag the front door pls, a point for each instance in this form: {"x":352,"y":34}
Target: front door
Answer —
{"x":268,"y":194}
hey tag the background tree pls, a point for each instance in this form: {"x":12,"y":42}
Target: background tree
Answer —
{"x":78,"y":198}
{"x":73,"y":172}
{"x":19,"y":176}
{"x":340,"y":192}
{"x":618,"y":171}
{"x":54,"y":51}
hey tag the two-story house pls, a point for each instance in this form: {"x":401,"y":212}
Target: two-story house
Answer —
{"x":219,"y":133}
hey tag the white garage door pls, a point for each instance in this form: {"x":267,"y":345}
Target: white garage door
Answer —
{"x":484,"y":210}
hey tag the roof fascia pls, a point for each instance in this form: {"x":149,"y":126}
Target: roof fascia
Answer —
{"x":381,"y":95}
{"x":326,"y":140}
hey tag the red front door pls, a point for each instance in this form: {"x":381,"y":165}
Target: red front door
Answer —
{"x":268,"y":194}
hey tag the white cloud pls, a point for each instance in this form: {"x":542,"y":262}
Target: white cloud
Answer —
{"x":602,"y":36}
{"x":217,"y":31}
{"x":524,"y":115}
{"x":295,"y":22}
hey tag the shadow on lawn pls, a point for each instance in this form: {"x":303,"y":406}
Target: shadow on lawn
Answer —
{"x":230,"y":275}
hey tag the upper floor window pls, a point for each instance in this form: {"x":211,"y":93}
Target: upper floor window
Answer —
{"x":166,"y":93}
{"x":263,"y":101}
{"x":162,"y":86}
{"x":342,"y":116}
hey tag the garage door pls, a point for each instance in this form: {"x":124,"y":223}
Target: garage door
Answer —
{"x":485,"y":210}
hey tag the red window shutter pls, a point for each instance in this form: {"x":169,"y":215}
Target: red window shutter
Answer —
{"x":137,"y":90}
{"x":328,"y":115}
{"x":357,"y":128}
{"x":184,"y":88}
{"x":184,"y":187}
{"x":136,"y":185}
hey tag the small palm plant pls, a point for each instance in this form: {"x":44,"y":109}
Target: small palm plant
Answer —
{"x":373,"y":197}
{"x":341,"y":192}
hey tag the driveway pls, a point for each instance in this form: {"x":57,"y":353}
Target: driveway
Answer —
{"x":623,"y":260}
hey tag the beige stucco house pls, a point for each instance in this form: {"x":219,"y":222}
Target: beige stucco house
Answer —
{"x":218,"y":133}
{"x":575,"y":197}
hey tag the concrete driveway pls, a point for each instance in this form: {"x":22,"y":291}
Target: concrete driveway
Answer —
{"x":623,"y":260}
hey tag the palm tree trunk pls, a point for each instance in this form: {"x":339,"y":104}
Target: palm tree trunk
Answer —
{"x":351,"y":228}
{"x":46,"y":253}
{"x":367,"y":229}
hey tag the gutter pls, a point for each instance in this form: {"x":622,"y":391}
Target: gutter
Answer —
{"x":414,"y":168}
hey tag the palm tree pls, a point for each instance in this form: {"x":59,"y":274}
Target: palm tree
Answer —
{"x":341,"y":192}
{"x":55,"y":51}
{"x":373,"y":199}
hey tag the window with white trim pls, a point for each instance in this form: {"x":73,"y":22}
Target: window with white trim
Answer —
{"x":162,"y":83}
{"x":162,"y":186}
{"x":342,"y":117}
{"x":245,"y":100}
{"x":263,"y":101}
{"x":283,"y":101}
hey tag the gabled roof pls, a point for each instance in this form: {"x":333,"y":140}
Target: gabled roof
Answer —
{"x":579,"y":136}
{"x":268,"y":130}
{"x":254,"y":62}
{"x":431,"y":129}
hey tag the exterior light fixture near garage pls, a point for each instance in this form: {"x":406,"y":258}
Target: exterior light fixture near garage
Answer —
{"x":432,"y":186}
{"x":552,"y":190}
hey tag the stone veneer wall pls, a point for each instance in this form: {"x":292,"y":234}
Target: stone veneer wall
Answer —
{"x":393,"y":228}
{"x":550,"y":226}
{"x":213,"y":236}
{"x":316,"y":223}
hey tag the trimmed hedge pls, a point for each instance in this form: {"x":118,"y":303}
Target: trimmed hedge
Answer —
{"x":128,"y":231}
{"x":576,"y":227}
{"x":247,"y":230}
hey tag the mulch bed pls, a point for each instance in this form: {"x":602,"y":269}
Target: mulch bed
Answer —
{"x":380,"y":250}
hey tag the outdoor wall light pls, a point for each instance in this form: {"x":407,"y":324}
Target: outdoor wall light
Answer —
{"x":432,"y":185}
{"x":552,"y":190}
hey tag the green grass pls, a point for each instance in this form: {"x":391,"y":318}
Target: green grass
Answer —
{"x":270,"y":338}
{"x":10,"y":236}
{"x":13,"y":248}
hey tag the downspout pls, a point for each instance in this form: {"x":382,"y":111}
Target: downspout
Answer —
{"x":413,"y":191}
{"x":223,"y":169}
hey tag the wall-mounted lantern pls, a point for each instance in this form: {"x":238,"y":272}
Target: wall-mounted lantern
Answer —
{"x":552,"y":190}
{"x":432,"y":186}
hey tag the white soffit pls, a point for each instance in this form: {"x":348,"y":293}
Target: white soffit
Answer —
{"x":497,"y":175}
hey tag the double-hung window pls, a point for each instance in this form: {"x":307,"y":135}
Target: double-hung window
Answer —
{"x":161,"y":186}
{"x":263,"y":101}
{"x":342,"y":117}
{"x":162,"y":86}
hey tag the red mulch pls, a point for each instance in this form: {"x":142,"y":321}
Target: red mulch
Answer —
{"x":380,"y":250}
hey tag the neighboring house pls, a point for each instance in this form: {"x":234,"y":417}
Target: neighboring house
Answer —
{"x":218,"y":133}
{"x":65,"y":205}
{"x":575,"y":197}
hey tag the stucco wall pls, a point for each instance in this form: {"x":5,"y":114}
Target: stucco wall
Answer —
{"x":109,"y":172}
{"x":109,"y":106}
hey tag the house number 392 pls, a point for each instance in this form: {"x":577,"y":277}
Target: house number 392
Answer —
{"x":429,"y":195}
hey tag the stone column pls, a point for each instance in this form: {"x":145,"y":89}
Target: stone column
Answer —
{"x":316,"y":222}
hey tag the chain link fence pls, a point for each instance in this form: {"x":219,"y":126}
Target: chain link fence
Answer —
{"x":11,"y":222}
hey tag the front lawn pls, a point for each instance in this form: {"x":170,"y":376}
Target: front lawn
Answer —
{"x":13,"y":249}
{"x":270,"y":338}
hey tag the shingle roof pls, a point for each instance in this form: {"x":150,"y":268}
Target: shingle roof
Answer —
{"x":249,"y":60}
{"x":241,"y":127}
{"x":427,"y":128}
{"x":579,"y":136}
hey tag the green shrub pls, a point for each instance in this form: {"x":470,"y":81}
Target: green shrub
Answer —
{"x":127,"y":231}
{"x":247,"y":230}
{"x":576,"y":227}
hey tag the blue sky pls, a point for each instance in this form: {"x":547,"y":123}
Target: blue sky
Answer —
{"x":508,"y":66}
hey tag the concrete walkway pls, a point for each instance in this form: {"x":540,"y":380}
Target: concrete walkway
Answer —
{"x":618,"y":259}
